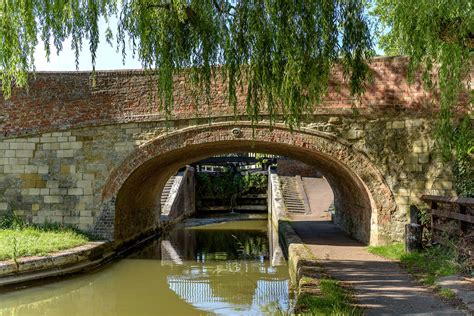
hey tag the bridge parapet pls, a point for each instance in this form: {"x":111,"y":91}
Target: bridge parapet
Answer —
{"x":64,"y":100}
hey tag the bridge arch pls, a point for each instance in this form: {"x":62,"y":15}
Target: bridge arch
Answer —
{"x":131,"y":194}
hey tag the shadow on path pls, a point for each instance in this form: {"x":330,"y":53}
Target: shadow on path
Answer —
{"x":381,"y":286}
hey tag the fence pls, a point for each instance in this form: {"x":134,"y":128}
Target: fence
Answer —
{"x":452,"y":218}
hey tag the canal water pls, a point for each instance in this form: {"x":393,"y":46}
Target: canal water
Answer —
{"x":225,"y":268}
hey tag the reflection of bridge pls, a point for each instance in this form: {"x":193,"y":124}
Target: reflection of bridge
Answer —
{"x":227,"y":286}
{"x":180,"y":245}
{"x":205,"y":291}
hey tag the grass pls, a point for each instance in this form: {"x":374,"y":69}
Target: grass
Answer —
{"x":333,"y":299}
{"x":447,"y":293}
{"x":431,"y":264}
{"x":428,"y":265}
{"x":30,"y":241}
{"x":393,"y":251}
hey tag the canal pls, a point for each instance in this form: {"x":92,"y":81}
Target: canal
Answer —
{"x":218,"y":268}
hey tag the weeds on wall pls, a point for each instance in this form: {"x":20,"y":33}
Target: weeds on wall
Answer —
{"x":11,"y":221}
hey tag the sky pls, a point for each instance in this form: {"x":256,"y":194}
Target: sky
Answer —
{"x":107,"y":57}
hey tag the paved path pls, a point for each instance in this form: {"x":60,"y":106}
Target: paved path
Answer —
{"x":320,"y":196}
{"x":381,"y":286}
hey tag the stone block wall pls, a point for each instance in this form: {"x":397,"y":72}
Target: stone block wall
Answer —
{"x":42,"y":181}
{"x":60,"y":176}
{"x":184,"y":199}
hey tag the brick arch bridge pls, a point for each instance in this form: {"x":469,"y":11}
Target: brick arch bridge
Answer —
{"x":361,"y":194}
{"x":97,"y":156}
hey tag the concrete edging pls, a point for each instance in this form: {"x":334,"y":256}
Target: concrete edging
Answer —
{"x":301,"y":262}
{"x":85,"y":257}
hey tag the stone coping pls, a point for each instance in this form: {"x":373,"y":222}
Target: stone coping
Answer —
{"x":62,"y":262}
{"x":301,"y":261}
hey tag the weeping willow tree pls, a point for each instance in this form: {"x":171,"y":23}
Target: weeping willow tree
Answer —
{"x":438,"y":36}
{"x":281,"y":52}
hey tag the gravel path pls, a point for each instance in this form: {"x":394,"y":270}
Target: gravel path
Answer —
{"x":381,"y":286}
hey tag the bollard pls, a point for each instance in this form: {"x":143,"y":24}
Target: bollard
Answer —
{"x":414,"y":215}
{"x":412,"y":237}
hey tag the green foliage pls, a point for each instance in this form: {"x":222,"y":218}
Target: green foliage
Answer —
{"x":463,"y":167}
{"x":29,"y":241}
{"x":14,"y":253}
{"x":19,"y":239}
{"x":424,"y":217}
{"x":11,"y":220}
{"x":262,"y":159}
{"x":224,"y":185}
{"x":232,"y":244}
{"x":438,"y":36}
{"x":334,"y":299}
{"x":280,"y":52}
{"x":251,"y":247}
{"x":23,"y":22}
{"x":255,"y":182}
{"x":431,"y":264}
{"x":447,"y":293}
{"x":393,"y":251}
{"x":220,"y":186}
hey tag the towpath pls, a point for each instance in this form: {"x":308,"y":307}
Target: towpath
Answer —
{"x":381,"y":287}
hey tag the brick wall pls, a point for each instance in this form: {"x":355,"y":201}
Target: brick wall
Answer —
{"x":64,"y":100}
{"x":290,"y":167}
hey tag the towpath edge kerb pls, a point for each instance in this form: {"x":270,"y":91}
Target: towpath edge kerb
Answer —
{"x":73,"y":260}
{"x":301,"y":261}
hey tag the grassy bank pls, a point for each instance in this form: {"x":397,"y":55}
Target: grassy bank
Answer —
{"x":332,"y":299}
{"x":428,"y":265}
{"x":19,"y":240}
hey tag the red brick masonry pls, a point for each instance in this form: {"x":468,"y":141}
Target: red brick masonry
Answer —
{"x":63,"y":100}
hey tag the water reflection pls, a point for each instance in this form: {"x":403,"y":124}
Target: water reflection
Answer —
{"x":215,"y":242}
{"x":214,"y":269}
